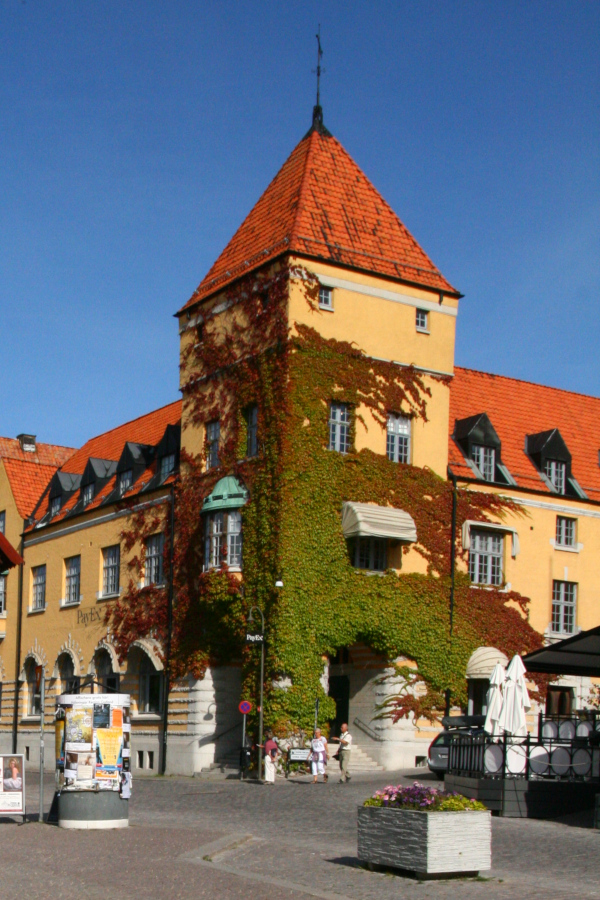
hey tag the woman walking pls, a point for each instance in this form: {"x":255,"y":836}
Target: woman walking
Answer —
{"x":318,"y":756}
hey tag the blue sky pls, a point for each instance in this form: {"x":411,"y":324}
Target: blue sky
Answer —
{"x":137,"y":135}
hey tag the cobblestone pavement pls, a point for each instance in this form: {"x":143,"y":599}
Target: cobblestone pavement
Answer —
{"x":207,"y":838}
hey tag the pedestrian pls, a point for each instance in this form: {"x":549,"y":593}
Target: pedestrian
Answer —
{"x":343,"y":753}
{"x":271,"y":754}
{"x":318,"y":756}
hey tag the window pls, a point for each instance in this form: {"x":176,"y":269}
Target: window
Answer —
{"x":55,"y":505}
{"x":213,"y":434}
{"x":485,"y":460}
{"x":110,"y":570}
{"x":485,"y":557}
{"x":398,"y":438}
{"x":72,"y":579}
{"x":69,"y":682}
{"x":223,"y":539}
{"x":3,"y":522}
{"x":38,"y":600}
{"x":565,"y":531}
{"x":87,"y":494}
{"x":325,"y":298}
{"x":34,"y":696}
{"x":251,"y":416}
{"x":339,"y":427}
{"x":153,"y":567}
{"x":126,"y":480}
{"x":167,"y":465}
{"x":564,"y":594}
{"x":555,"y":473}
{"x":422,"y":320}
{"x":3,"y":579}
{"x":150,"y":687}
{"x":369,"y":553}
{"x":108,"y":680}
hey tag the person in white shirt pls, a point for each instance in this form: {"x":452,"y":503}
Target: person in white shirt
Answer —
{"x":318,"y":756}
{"x":344,"y":752}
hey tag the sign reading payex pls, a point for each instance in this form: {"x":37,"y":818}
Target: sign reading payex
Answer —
{"x":255,"y":637}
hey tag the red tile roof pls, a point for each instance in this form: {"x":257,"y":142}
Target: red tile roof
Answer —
{"x":28,"y":481}
{"x":518,"y":408}
{"x":146,"y":429}
{"x":321,"y":205}
{"x":44,"y":455}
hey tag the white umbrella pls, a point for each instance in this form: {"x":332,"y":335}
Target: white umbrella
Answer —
{"x":494,"y":699}
{"x":516,"y":701}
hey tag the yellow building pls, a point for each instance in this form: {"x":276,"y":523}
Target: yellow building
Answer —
{"x":357,"y":279}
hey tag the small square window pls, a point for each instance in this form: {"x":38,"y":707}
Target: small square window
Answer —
{"x":422,"y":320}
{"x":325,"y":298}
{"x":565,"y":531}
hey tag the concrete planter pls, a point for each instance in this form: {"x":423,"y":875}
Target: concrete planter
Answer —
{"x":92,"y":810}
{"x":432,"y":844}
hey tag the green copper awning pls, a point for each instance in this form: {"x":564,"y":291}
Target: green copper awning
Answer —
{"x":227,"y":493}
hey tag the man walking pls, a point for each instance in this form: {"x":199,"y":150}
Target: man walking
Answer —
{"x":344,"y":752}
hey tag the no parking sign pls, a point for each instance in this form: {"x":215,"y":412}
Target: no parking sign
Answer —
{"x":245,"y":707}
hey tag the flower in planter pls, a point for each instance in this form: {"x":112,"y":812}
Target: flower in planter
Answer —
{"x":421,"y":797}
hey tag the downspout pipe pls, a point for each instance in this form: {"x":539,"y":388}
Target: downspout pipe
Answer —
{"x":165,"y":722}
{"x":18,"y":647}
{"x":452,"y":478}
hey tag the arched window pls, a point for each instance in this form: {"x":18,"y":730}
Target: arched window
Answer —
{"x":34,"y":699}
{"x":150,"y":687}
{"x":69,"y":682}
{"x":107,"y":678}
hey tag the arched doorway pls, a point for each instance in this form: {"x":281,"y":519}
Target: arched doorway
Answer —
{"x":108,"y":681}
{"x":69,"y":682}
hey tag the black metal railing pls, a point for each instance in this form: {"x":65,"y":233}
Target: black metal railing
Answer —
{"x":486,"y":756}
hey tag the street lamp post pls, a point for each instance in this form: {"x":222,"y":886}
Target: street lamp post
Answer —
{"x":262,"y":680}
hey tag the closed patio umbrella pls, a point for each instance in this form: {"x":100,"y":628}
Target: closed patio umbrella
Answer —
{"x":512,"y":719}
{"x":494,"y":699}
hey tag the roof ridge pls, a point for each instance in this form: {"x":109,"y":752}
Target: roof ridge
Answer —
{"x":547,"y":387}
{"x":123,"y":424}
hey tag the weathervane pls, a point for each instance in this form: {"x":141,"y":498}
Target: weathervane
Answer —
{"x":319,"y":56}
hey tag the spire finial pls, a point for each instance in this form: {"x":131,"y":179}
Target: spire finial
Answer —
{"x":317,"y":122}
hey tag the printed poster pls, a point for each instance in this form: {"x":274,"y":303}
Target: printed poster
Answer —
{"x":12,"y":782}
{"x":78,"y":728}
{"x":102,"y":715}
{"x":109,"y":757}
{"x":59,"y":741}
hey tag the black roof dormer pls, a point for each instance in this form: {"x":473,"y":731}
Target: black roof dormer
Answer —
{"x":477,"y":430}
{"x":136,"y":457}
{"x":546,"y":446}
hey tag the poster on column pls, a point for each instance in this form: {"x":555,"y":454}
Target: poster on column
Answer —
{"x":12,"y":785}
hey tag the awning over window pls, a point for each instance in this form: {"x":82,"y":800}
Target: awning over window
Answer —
{"x":577,"y":655}
{"x":368,"y":520}
{"x":227,"y":493}
{"x":490,"y":526}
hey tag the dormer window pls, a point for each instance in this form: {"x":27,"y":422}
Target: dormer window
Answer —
{"x":485,"y":460}
{"x":477,"y":438}
{"x":167,"y":465}
{"x":125,"y":481}
{"x":87,"y":494}
{"x":555,"y":473}
{"x":55,"y":504}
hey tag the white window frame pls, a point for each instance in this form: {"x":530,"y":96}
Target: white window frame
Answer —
{"x":72,"y":580}
{"x":55,"y":506}
{"x":154,"y":560}
{"x":223,"y":540}
{"x":213,"y":438}
{"x":325,"y":298}
{"x":38,"y":588}
{"x":486,"y":557}
{"x":126,"y":481}
{"x":485,"y":460}
{"x":398,"y":442}
{"x":111,"y":570}
{"x":555,"y":471}
{"x":87,"y":493}
{"x":339,"y":427}
{"x":566,"y":532}
{"x":564,"y":607}
{"x":422,"y":320}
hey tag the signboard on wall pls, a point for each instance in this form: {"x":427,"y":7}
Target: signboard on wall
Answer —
{"x":12,"y":785}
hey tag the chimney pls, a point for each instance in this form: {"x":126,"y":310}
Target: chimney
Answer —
{"x":27,"y":442}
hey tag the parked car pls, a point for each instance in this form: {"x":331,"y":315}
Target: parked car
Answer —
{"x":438,"y":755}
